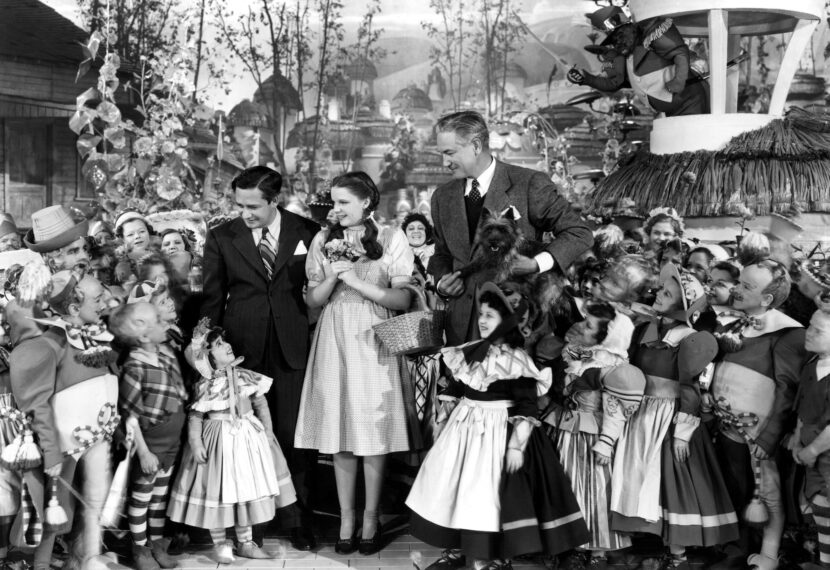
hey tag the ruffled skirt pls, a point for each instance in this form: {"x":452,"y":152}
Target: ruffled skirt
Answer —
{"x":463,"y":499}
{"x":243,"y":482}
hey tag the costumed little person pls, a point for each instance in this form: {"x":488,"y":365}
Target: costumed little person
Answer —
{"x":672,"y":486}
{"x":151,"y":399}
{"x":61,"y":380}
{"x":601,"y":392}
{"x":492,"y":487}
{"x":233,"y":472}
{"x":752,"y":393}
{"x":812,"y":444}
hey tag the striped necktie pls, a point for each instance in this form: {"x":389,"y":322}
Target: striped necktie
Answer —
{"x":267,"y":253}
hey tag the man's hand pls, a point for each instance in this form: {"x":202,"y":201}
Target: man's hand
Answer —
{"x":524,"y":266}
{"x":758,"y":451}
{"x":149,"y":462}
{"x":513,"y":459}
{"x":576,"y":76}
{"x":681,"y":450}
{"x":451,"y":284}
{"x":53,"y":471}
{"x":806,"y":456}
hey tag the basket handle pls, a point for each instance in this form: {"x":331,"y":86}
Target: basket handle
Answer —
{"x":420,"y":297}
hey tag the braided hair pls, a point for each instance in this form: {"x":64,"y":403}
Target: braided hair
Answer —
{"x":360,"y":185}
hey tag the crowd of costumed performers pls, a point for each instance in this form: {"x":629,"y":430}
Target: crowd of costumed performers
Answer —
{"x":651,"y":385}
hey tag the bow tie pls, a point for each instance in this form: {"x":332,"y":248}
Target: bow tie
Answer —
{"x":742,"y":321}
{"x":579,"y":353}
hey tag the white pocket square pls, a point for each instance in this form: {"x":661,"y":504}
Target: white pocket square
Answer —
{"x":301,"y":249}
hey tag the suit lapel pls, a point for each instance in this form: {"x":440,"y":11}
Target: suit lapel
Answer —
{"x":457,"y":235}
{"x":287,"y":242}
{"x":243,"y":241}
{"x":496,"y":199}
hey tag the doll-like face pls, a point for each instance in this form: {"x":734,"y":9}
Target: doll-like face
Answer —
{"x":222,"y":353}
{"x":669,"y":297}
{"x":720,"y":287}
{"x":488,"y":319}
{"x":817,"y":338}
{"x":584,"y":333}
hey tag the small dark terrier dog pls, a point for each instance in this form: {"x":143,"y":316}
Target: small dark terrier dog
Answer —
{"x":499,"y":241}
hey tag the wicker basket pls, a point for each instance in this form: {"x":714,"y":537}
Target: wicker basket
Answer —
{"x":417,"y":332}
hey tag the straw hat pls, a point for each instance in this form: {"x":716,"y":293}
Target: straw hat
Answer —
{"x":52,"y":229}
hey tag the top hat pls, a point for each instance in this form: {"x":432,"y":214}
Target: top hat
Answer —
{"x":52,"y":229}
{"x":608,"y":18}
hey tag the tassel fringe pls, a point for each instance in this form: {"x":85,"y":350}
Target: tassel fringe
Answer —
{"x":55,"y":514}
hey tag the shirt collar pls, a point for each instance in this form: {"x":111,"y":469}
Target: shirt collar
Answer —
{"x":273,"y":229}
{"x":145,"y":356}
{"x":484,"y":179}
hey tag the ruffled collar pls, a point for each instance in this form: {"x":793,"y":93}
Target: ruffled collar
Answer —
{"x":81,"y":337}
{"x":501,"y":362}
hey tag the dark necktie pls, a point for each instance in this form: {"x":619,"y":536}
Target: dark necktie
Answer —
{"x":474,"y":195}
{"x":267,"y":253}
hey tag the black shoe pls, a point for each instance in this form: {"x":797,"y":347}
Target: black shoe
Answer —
{"x":346,"y":545}
{"x":302,"y":538}
{"x":448,"y":562}
{"x":370,"y":545}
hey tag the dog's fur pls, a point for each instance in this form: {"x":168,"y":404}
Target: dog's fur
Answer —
{"x":499,"y":241}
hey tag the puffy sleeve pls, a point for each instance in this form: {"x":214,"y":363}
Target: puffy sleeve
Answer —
{"x":696,"y":351}
{"x":525,"y":395}
{"x":622,"y":392}
{"x":252,"y":384}
{"x":315,"y":260}
{"x":398,"y":256}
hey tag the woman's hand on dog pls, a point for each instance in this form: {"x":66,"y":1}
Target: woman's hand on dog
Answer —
{"x":451,"y":285}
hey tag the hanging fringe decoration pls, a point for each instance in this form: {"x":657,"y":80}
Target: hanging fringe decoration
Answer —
{"x":756,"y":513}
{"x":784,"y":163}
{"x":22,"y":453}
{"x":55,"y":515}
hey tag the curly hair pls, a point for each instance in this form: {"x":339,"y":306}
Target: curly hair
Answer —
{"x":781,"y":282}
{"x":654,"y":220}
{"x":419,"y":217}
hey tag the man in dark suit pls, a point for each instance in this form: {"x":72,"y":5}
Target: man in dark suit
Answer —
{"x":254,"y":274}
{"x":480,"y":181}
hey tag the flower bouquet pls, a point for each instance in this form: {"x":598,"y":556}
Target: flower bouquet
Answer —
{"x":340,"y":250}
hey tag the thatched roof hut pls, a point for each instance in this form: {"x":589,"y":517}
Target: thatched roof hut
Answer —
{"x":785,"y":163}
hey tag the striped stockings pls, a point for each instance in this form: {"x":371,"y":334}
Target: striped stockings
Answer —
{"x":821,"y":514}
{"x":147,"y":505}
